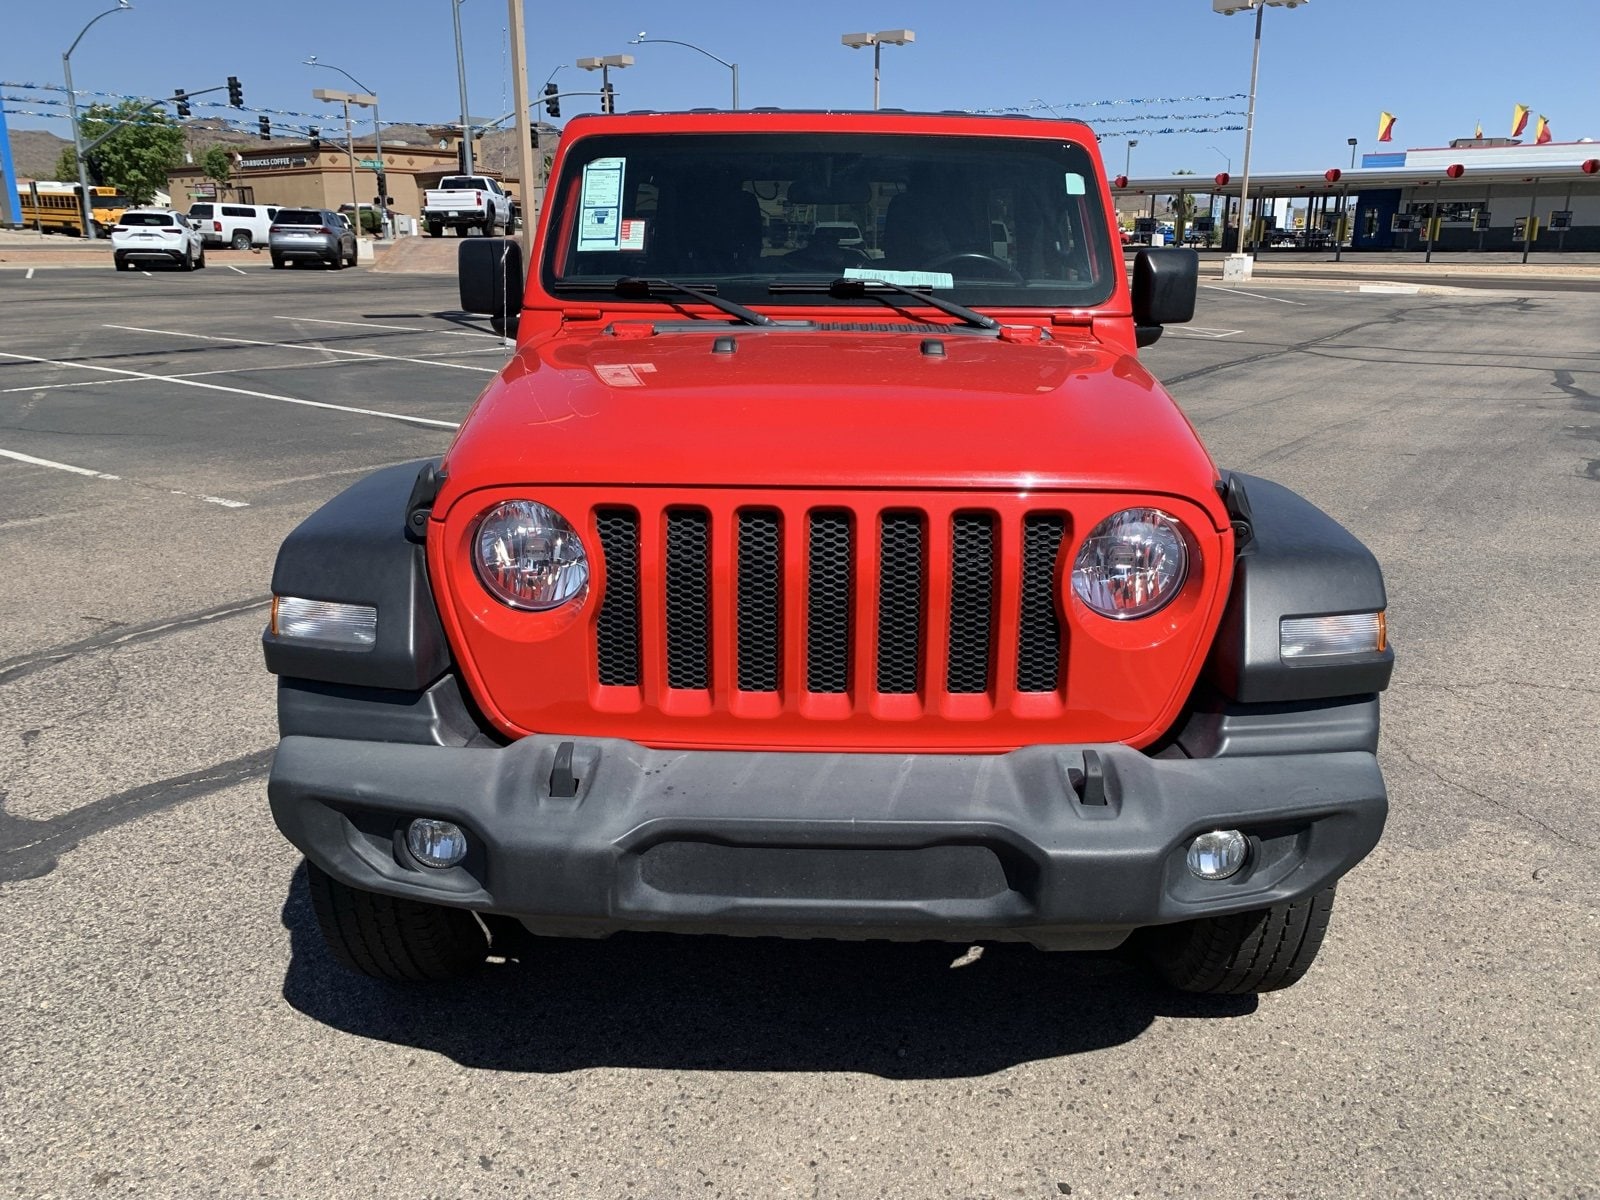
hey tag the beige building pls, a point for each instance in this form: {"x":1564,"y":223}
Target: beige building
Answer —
{"x":303,"y":175}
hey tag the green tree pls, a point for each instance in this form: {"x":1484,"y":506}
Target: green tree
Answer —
{"x":217,"y":163}
{"x":1182,"y":208}
{"x":135,"y":159}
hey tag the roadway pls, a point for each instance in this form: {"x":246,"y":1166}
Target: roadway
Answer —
{"x":173,"y":1026}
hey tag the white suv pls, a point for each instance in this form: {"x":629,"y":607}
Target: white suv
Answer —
{"x":238,"y":226}
{"x":156,"y":233}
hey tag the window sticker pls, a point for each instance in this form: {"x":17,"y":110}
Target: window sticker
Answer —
{"x":921,"y":279}
{"x":600,"y":218}
{"x":630,"y":233}
{"x":1075,"y":184}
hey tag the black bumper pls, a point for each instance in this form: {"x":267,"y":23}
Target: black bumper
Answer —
{"x":949,"y":847}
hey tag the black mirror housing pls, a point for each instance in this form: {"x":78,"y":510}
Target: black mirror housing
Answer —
{"x":489,"y":274}
{"x":1165,"y":285}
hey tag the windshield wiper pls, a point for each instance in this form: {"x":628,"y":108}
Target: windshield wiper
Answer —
{"x":631,"y":287}
{"x":852,"y":288}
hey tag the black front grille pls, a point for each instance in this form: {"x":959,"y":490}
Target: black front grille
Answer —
{"x":688,"y":598}
{"x":618,"y":622}
{"x":668,"y":586}
{"x":760,"y":600}
{"x":1039,"y":635}
{"x":899,"y":602}
{"x":828,"y":603}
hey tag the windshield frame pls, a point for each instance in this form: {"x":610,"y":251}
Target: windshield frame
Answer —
{"x":988,"y":157}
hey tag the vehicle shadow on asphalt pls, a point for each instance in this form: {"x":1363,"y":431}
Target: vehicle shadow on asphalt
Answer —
{"x":900,"y":1011}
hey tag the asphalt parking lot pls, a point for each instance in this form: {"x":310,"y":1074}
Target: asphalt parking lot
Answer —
{"x":173,"y":1027}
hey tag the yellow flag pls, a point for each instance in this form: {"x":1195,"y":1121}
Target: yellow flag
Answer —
{"x":1386,"y":127}
{"x":1519,"y":119}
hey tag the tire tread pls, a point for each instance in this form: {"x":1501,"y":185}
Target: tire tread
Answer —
{"x":403,"y":941}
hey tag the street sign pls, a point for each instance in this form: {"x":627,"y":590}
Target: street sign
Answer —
{"x":371,"y":164}
{"x":1561,"y":220}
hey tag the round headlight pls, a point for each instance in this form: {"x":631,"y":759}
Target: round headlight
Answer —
{"x":1131,"y":564}
{"x":529,"y":556}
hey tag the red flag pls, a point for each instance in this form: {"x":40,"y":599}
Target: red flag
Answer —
{"x":1386,"y":127}
{"x":1541,"y":133}
{"x":1519,"y":119}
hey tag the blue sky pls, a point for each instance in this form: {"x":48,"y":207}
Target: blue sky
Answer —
{"x":1327,"y":68}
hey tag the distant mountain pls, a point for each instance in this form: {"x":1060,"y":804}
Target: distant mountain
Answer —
{"x":35,"y":151}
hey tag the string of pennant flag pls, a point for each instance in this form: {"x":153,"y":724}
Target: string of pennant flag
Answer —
{"x":1519,"y":122}
{"x":116,"y":96}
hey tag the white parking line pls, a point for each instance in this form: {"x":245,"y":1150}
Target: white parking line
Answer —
{"x":1256,"y":295}
{"x":88,"y":383}
{"x":357,"y":324}
{"x":207,"y":337}
{"x":236,"y":270}
{"x":1200,"y":331}
{"x":217,"y":387}
{"x":45,"y":462}
{"x":211,"y":499}
{"x":29,"y":275}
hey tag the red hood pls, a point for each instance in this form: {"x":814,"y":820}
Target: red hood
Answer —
{"x":828,"y":409}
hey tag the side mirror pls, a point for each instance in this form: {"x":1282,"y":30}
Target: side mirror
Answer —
{"x":1165,"y":284}
{"x":489,"y":273}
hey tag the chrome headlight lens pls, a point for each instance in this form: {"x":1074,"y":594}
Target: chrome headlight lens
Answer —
{"x":529,"y":556}
{"x":1131,"y":564}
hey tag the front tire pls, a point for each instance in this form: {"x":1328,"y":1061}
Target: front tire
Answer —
{"x":402,"y":941}
{"x":1259,"y":951}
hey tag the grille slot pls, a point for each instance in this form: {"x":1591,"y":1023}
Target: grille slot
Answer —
{"x":688,"y":598}
{"x":617,"y":627}
{"x":972,"y":586}
{"x":828,"y":602}
{"x":760,"y":600}
{"x":1039,"y":631}
{"x":900,"y":557}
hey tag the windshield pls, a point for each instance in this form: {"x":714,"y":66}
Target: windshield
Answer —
{"x":978,"y":220}
{"x":107,"y":200}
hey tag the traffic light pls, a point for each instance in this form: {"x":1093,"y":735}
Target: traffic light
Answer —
{"x":552,"y":99}
{"x":181,"y":99}
{"x":383,"y":188}
{"x":314,"y":134}
{"x":264,"y":128}
{"x":608,"y":100}
{"x":235,"y":92}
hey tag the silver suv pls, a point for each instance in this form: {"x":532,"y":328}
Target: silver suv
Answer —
{"x":311,"y":233}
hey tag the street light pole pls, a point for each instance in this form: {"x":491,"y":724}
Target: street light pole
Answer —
{"x":461,"y":84}
{"x":347,"y":99}
{"x":642,"y":40}
{"x":377,"y":141}
{"x":889,"y":37}
{"x":1344,"y":199}
{"x":1227,"y":8}
{"x":85,"y":209}
{"x":603,"y":65}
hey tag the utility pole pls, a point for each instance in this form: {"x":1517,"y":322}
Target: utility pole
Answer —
{"x":461,"y":83}
{"x":519,"y":97}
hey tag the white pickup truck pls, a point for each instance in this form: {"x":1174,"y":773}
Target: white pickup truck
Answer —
{"x":466,"y":202}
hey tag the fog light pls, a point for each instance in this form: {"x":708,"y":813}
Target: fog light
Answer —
{"x":436,"y":843}
{"x":1218,"y":854}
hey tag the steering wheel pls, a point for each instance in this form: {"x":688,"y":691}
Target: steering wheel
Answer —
{"x":1001,"y":264}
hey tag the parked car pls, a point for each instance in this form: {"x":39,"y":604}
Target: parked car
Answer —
{"x":237,"y":226}
{"x":312,"y":233}
{"x":156,"y":235}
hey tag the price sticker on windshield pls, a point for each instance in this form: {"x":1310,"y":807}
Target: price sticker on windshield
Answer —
{"x":600,"y":221}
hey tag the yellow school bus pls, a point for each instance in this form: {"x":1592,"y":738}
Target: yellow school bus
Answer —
{"x":53,"y":208}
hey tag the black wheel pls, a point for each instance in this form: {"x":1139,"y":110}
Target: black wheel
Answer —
{"x":435,"y":229}
{"x":1258,"y":951}
{"x":122,"y":263}
{"x":241,"y":240}
{"x":201,"y":261}
{"x":277,"y":262}
{"x":1000,"y":265}
{"x":490,"y":227}
{"x":336,"y":263}
{"x":187,"y":262}
{"x":403,"y":941}
{"x":354,"y":255}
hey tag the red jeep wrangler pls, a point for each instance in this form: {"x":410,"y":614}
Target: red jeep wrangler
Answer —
{"x":785,"y":584}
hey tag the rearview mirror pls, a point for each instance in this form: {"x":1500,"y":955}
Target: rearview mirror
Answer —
{"x":489,"y":273}
{"x":1165,"y":284}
